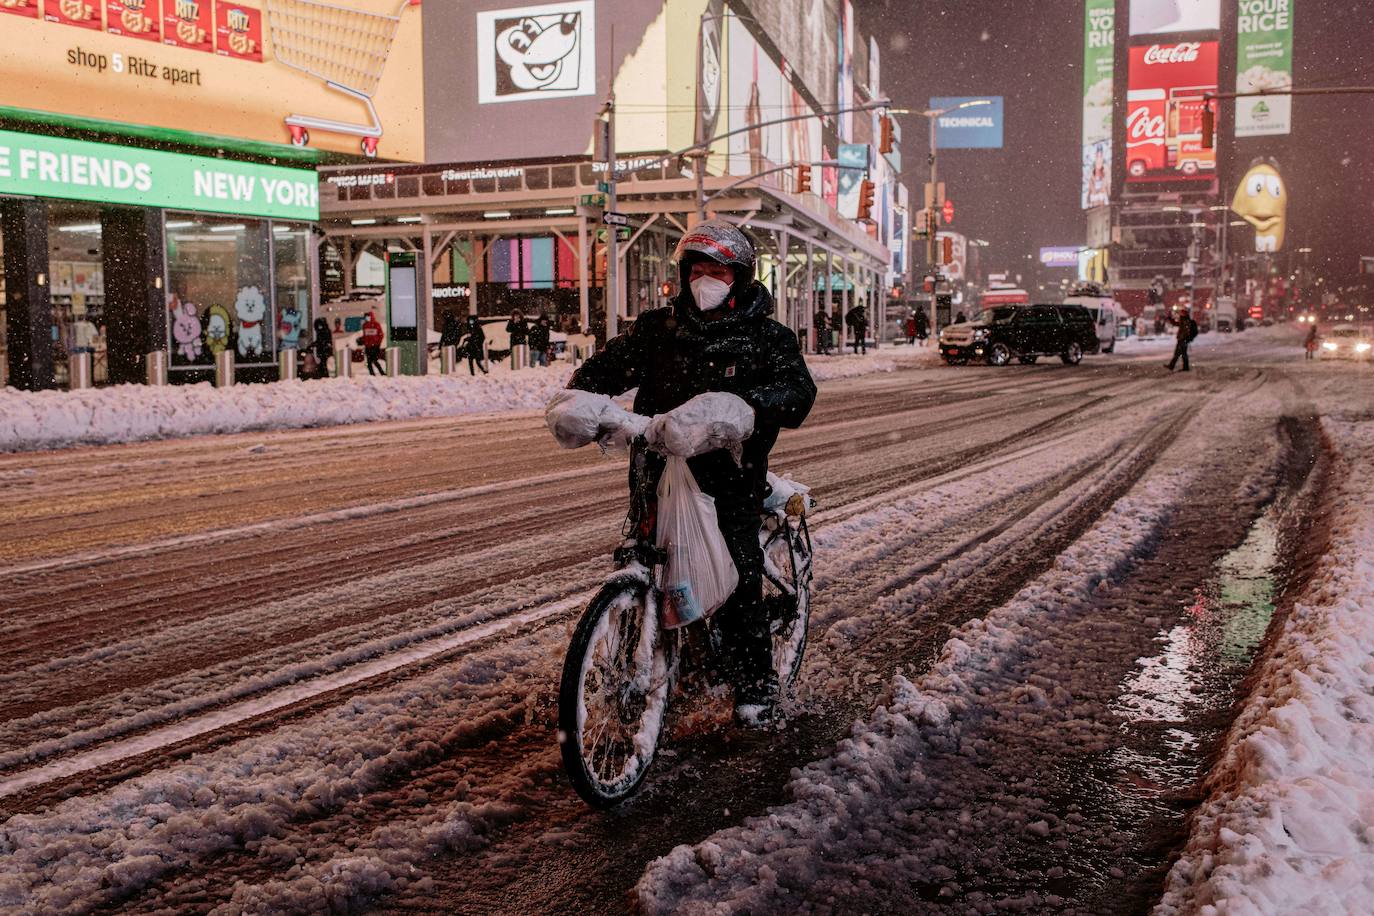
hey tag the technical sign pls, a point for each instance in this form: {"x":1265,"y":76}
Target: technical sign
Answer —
{"x":975,"y":127}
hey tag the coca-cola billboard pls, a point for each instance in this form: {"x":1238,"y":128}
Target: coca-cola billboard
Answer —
{"x":1164,"y":101}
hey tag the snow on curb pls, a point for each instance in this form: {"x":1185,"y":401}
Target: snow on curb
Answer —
{"x":765,"y":863}
{"x":31,"y":421}
{"x":1289,"y":826}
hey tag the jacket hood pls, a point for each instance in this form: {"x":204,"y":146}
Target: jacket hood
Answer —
{"x":753,"y":304}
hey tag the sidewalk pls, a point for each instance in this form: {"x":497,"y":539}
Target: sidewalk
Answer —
{"x":31,"y":421}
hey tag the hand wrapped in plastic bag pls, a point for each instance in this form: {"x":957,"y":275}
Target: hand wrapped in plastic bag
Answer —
{"x":716,"y":419}
{"x":577,"y":418}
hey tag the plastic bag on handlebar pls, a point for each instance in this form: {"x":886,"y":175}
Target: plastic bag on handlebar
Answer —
{"x":700,"y":575}
{"x":578,"y":417}
{"x":715,"y":419}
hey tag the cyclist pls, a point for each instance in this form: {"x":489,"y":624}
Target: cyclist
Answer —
{"x":717,"y":336}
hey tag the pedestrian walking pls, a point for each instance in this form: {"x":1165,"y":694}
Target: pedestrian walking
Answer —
{"x":960,"y":318}
{"x":911,"y":330}
{"x":922,"y":326}
{"x":1313,"y":341}
{"x":373,"y":338}
{"x":475,"y":346}
{"x":857,"y":318}
{"x":822,"y":328}
{"x":518,"y":329}
{"x":451,"y":331}
{"x":323,"y":347}
{"x":1187,"y":331}
{"x":540,"y":338}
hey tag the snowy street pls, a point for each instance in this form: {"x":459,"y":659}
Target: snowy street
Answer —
{"x":256,"y":671}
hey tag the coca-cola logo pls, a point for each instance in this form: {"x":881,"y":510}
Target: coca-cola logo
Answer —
{"x":1141,"y":126}
{"x":1183,"y":53}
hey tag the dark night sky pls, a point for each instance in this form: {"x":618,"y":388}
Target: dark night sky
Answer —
{"x":1027,"y":194}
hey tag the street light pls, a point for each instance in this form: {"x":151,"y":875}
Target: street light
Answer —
{"x":931,"y":114}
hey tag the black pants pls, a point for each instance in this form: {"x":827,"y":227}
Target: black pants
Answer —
{"x":860,"y":339}
{"x":1180,"y":349}
{"x":475,"y":361}
{"x":374,"y":359}
{"x":743,"y":620}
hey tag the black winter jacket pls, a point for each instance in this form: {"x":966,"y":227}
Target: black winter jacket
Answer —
{"x":517,"y":331}
{"x":539,"y":335}
{"x":671,"y":355}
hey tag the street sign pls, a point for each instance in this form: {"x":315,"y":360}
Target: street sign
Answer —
{"x":592,"y":200}
{"x":948,"y":211}
{"x":604,"y":187}
{"x":935,"y":195}
{"x":615,"y":219}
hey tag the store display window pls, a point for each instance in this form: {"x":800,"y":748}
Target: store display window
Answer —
{"x":237,"y":284}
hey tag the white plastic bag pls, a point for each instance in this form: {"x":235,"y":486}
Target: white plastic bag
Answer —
{"x":700,"y":575}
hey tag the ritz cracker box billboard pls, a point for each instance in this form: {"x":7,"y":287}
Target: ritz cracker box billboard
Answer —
{"x":342,"y":78}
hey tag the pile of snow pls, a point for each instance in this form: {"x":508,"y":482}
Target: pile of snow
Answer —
{"x":31,"y":421}
{"x":1289,"y":825}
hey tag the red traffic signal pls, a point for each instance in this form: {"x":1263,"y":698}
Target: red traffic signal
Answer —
{"x":948,"y":211}
{"x":666,"y":290}
{"x":803,"y":179}
{"x":885,"y":143}
{"x":865,"y":200}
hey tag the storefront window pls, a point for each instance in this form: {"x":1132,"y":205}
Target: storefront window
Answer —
{"x":77,"y":287}
{"x":291,"y":284}
{"x":219,"y":290}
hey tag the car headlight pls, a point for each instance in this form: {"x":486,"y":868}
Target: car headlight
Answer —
{"x":1328,"y":346}
{"x":1361,"y":348}
{"x":980,"y":333}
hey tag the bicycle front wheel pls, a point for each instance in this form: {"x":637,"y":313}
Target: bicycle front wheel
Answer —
{"x":787,"y":592}
{"x":614,"y":694}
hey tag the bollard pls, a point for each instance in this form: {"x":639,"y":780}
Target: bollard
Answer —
{"x":591,"y":350}
{"x":286,"y":365}
{"x":155,"y":368}
{"x":4,"y":370}
{"x":448,"y":359}
{"x":520,"y":356}
{"x":224,"y":369}
{"x":393,"y":362}
{"x":78,"y":371}
{"x":574,"y":356}
{"x":343,"y":362}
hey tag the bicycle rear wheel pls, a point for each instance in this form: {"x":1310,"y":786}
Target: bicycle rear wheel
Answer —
{"x":613,"y":694}
{"x":787,"y":592}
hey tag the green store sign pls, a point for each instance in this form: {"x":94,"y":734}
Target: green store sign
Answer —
{"x":78,"y":170}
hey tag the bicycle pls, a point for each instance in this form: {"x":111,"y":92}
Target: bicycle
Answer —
{"x":622,"y":665}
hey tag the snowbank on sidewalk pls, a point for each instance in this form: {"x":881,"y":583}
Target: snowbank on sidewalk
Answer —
{"x":30,"y":421}
{"x":1289,"y":825}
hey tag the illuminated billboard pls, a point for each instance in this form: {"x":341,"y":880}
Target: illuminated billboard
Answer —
{"x":974,"y":127}
{"x":1099,"y":28}
{"x":1164,"y":101}
{"x":1156,"y":17}
{"x":1264,"y":61}
{"x":273,"y":72}
{"x":527,"y":53}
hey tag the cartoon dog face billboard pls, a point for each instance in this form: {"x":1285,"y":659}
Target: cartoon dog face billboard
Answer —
{"x":536,"y":52}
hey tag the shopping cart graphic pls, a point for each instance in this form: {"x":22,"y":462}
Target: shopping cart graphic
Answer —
{"x":347,"y":48}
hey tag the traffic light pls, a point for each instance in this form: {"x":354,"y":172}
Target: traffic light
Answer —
{"x":666,"y":290}
{"x":948,"y":254}
{"x":885,"y":143}
{"x":865,"y":200}
{"x":804,"y":179}
{"x":1209,"y":124}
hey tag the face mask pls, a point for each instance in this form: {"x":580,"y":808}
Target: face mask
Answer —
{"x":709,"y":292}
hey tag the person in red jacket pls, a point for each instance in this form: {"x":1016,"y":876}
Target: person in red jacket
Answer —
{"x":372,"y":345}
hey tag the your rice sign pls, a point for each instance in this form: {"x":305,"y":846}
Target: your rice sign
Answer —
{"x":43,"y":166}
{"x":1264,"y":60}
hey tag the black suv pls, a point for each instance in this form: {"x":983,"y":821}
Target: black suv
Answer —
{"x":1023,"y":332}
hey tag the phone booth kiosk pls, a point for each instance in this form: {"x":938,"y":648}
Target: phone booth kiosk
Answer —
{"x":402,"y":298}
